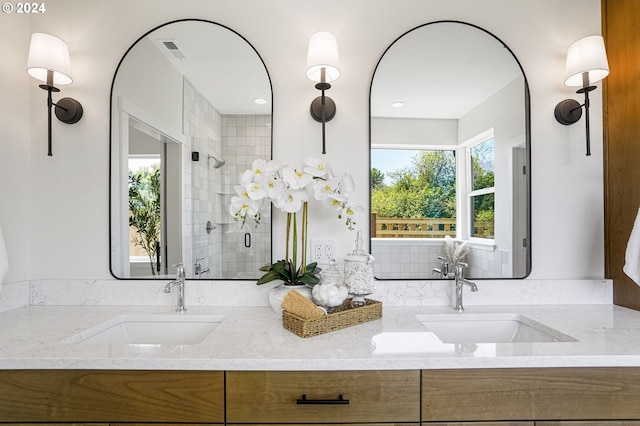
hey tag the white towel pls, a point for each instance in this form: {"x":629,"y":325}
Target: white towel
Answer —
{"x":4,"y":260}
{"x":632,"y":255}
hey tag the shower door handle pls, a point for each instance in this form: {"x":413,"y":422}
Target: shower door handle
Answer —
{"x":247,"y":240}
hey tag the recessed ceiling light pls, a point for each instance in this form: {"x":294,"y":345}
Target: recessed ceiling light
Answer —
{"x":260,"y":101}
{"x":397,"y":104}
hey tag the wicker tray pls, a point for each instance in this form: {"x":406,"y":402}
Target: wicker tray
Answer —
{"x":343,"y":316}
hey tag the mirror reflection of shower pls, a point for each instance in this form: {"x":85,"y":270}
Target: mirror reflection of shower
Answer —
{"x":216,"y":163}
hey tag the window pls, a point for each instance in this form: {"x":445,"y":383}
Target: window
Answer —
{"x":481,"y":189}
{"x":144,"y":207}
{"x":413,"y":193}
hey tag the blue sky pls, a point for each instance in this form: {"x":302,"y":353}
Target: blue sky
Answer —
{"x":388,"y":160}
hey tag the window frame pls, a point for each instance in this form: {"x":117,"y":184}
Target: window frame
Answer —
{"x":466,"y":209}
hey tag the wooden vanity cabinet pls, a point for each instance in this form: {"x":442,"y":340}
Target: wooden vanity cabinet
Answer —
{"x":474,"y":397}
{"x":583,"y":394}
{"x":592,"y":423}
{"x":326,"y":397}
{"x":480,"y":424}
{"x":110,"y":396}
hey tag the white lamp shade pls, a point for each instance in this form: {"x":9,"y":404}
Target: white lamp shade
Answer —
{"x":48,"y":52}
{"x":586,"y":55}
{"x":323,"y":53}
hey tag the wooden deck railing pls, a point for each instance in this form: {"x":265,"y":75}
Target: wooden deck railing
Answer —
{"x":395,"y":227}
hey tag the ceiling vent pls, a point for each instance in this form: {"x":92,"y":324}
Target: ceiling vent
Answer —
{"x":173,"y":49}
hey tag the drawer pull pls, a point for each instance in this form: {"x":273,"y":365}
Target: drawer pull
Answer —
{"x":339,"y":401}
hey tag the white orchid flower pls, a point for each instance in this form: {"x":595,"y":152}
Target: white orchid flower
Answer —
{"x":325,"y":188}
{"x":256,"y":190}
{"x":274,"y":186}
{"x":295,"y":178}
{"x":351,"y":212}
{"x":272,"y":168}
{"x":289,"y":189}
{"x":246,"y":178}
{"x":241,"y":190}
{"x":291,"y":201}
{"x":335,"y":203}
{"x":242,"y":207}
{"x":316,"y":167}
{"x":258,"y":166}
{"x":256,"y":172}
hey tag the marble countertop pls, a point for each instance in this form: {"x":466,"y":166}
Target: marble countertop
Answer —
{"x":252,"y":338}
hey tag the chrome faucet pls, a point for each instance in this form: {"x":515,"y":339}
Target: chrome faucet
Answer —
{"x":197,"y":268}
{"x":178,"y":282}
{"x":460,"y":280}
{"x":443,"y":270}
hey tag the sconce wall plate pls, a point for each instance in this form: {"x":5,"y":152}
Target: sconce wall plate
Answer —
{"x":568,"y":112}
{"x":329,"y":109}
{"x":68,"y":110}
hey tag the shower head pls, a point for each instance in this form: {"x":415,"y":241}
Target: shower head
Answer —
{"x":216,"y":163}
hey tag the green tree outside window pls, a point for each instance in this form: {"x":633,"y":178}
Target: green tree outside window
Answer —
{"x":144,"y":210}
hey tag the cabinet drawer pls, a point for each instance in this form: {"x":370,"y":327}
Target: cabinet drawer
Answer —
{"x":480,"y":424}
{"x":111,"y":396}
{"x":592,"y":423}
{"x":300,"y":397}
{"x":531,"y":393}
{"x":327,"y":424}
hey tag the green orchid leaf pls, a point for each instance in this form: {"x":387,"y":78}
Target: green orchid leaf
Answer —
{"x":287,"y":273}
{"x":281,"y":268}
{"x":268,"y":277}
{"x":266,"y":268}
{"x":309,"y":279}
{"x":313,"y":268}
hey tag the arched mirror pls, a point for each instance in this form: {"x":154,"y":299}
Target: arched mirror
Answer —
{"x":191,"y":108}
{"x":450,"y":156}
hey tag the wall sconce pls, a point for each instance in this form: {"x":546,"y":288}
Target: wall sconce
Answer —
{"x":323,"y":67}
{"x":49,"y":62}
{"x":586,"y":64}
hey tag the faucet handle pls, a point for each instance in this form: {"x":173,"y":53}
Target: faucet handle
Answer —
{"x":197,"y":266}
{"x":179,"y":268}
{"x":459,"y":269}
{"x":443,"y":270}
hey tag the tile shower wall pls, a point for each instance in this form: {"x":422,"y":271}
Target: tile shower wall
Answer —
{"x":228,"y":250}
{"x":202,"y":184}
{"x":407,"y":259}
{"x":244,"y":249}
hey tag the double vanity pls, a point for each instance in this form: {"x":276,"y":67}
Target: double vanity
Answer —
{"x":238,"y":365}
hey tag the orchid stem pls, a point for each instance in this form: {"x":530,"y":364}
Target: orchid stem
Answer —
{"x":287,"y":234}
{"x":304,"y":238}
{"x":295,"y":243}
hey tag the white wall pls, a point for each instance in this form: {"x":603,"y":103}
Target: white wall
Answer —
{"x":387,"y":132}
{"x":66,"y":195}
{"x":15,"y":147}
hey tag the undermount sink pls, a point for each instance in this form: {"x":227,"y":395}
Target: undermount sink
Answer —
{"x":490,"y":328}
{"x":154,"y":329}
